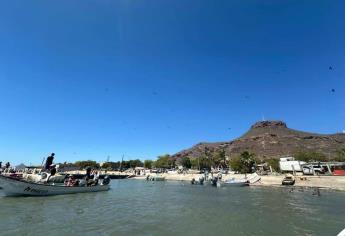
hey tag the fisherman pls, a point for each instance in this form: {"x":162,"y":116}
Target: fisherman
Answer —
{"x":89,"y":177}
{"x":7,"y":165}
{"x":95,"y":178}
{"x":49,"y":161}
{"x":88,"y":173}
{"x":52,"y":172}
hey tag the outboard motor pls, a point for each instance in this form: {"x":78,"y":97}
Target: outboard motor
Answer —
{"x":219,"y":176}
{"x":214,"y":181}
{"x":193,"y":181}
{"x":106,"y":180}
{"x":44,"y":175}
{"x":201,"y":180}
{"x":82,"y":183}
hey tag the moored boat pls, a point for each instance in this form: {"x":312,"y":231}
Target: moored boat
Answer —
{"x":155,"y":178}
{"x":18,"y":187}
{"x":236,"y":182}
{"x":249,"y":179}
{"x":200,"y":181}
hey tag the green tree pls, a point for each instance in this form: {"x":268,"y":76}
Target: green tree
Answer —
{"x":274,"y":163}
{"x":185,"y":161}
{"x":200,"y":162}
{"x":194,"y":163}
{"x":148,"y":164}
{"x":248,"y":162}
{"x":165,"y":162}
{"x":125,"y":165}
{"x":235,"y":163}
{"x":135,"y":163}
{"x":243,"y":163}
{"x":219,"y":158}
{"x":205,"y":162}
{"x":340,"y":155}
{"x":308,"y":156}
{"x":88,"y":163}
{"x":111,"y":165}
{"x":106,"y":165}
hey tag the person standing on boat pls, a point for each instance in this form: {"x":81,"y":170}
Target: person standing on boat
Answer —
{"x":7,"y":166}
{"x":95,"y":177}
{"x":52,"y":172}
{"x":88,"y":173}
{"x":49,"y":161}
{"x":88,"y":176}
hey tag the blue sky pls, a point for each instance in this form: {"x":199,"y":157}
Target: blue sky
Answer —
{"x":91,"y":79}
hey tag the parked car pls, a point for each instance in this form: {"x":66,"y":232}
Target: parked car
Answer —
{"x":308,"y":170}
{"x":288,"y":180}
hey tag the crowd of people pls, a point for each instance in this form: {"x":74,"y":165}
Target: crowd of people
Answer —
{"x":91,"y":179}
{"x":49,"y":170}
{"x":7,"y":167}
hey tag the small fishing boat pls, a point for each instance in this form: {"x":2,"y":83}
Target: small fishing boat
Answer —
{"x":200,"y":181}
{"x":249,"y":179}
{"x":155,"y":178}
{"x":18,"y":187}
{"x":236,"y":182}
{"x":215,"y":182}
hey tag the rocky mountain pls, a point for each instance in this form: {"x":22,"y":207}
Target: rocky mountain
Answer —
{"x":271,"y":139}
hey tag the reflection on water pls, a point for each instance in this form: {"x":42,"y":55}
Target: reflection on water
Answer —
{"x":175,"y":208}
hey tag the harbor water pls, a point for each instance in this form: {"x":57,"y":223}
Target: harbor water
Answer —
{"x":135,"y":207}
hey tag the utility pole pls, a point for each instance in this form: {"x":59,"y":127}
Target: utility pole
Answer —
{"x":121,"y":163}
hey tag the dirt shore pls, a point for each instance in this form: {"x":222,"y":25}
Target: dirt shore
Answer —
{"x":327,"y":182}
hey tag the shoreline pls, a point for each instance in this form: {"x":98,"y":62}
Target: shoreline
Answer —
{"x":323,"y":182}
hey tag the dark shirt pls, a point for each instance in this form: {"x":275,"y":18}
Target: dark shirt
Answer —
{"x":49,"y":162}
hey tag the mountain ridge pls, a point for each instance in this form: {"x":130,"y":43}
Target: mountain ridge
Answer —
{"x":271,"y":139}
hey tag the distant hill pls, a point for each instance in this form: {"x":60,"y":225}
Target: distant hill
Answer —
{"x":271,"y":139}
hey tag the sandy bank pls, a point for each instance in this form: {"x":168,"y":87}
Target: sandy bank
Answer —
{"x":328,"y":182}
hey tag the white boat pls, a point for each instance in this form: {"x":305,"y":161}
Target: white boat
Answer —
{"x":250,"y":179}
{"x":18,"y":187}
{"x":42,"y":177}
{"x":156,"y":177}
{"x":236,"y":182}
{"x":253,"y":178}
{"x":342,"y":233}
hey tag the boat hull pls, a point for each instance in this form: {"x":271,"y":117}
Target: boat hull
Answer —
{"x":250,"y":179}
{"x":237,"y":184}
{"x":15,"y":187}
